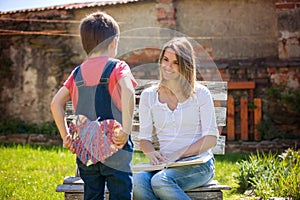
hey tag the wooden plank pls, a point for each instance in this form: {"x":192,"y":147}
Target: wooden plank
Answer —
{"x":73,"y":184}
{"x":206,"y":195}
{"x":220,"y":113}
{"x":73,"y":180}
{"x":74,"y":188}
{"x":244,"y":118}
{"x":218,"y":149}
{"x":257,"y":117}
{"x":230,"y":119}
{"x":218,"y":89}
{"x":74,"y":196}
{"x":241,"y":85}
{"x":212,"y":187}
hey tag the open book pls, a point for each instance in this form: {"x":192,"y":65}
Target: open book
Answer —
{"x":150,"y":167}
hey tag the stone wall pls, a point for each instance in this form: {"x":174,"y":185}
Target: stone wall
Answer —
{"x":233,"y":29}
{"x":35,"y":62}
{"x":249,"y":40}
{"x":289,"y":28}
{"x":276,"y":145}
{"x":35,"y":139}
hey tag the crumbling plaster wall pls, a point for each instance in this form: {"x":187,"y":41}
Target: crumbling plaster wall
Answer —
{"x":36,"y":64}
{"x":233,"y":29}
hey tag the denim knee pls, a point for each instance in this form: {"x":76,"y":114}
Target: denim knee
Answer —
{"x":142,"y":189}
{"x":160,"y":179}
{"x":138,"y":182}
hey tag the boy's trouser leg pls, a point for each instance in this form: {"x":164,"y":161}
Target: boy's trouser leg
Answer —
{"x":119,"y":184}
{"x":94,"y":182}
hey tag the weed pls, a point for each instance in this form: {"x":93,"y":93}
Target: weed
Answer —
{"x":271,"y":175}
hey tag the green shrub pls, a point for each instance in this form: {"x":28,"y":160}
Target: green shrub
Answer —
{"x":9,"y":126}
{"x":268,"y":130}
{"x":282,"y":114}
{"x":271,"y":175}
{"x":288,"y":96}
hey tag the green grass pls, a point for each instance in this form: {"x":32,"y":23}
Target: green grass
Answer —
{"x":33,"y":172}
{"x":28,"y":172}
{"x":226,"y":168}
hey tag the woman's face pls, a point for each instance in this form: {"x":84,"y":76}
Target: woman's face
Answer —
{"x":169,"y":65}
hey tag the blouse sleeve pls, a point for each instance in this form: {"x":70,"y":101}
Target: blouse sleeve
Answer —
{"x":145,"y":116}
{"x":207,"y":112}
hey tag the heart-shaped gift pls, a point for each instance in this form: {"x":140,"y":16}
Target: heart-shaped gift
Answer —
{"x":93,"y":139}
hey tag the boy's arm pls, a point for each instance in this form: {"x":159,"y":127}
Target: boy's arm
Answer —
{"x":127,"y":102}
{"x":58,"y":112}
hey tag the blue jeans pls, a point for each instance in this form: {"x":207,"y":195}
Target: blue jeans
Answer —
{"x":115,"y":173}
{"x":170,"y":183}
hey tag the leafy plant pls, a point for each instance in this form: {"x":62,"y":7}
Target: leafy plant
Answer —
{"x":290,"y":97}
{"x":283,"y":114}
{"x":271,"y":175}
{"x":268,"y":130}
{"x":247,"y":170}
{"x":8,"y":126}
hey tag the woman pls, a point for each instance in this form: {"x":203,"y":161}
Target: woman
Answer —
{"x":182,"y":114}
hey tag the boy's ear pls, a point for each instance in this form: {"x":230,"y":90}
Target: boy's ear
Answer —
{"x":113,"y":44}
{"x":113,"y":47}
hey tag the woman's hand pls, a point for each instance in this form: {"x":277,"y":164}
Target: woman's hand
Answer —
{"x":156,"y":157}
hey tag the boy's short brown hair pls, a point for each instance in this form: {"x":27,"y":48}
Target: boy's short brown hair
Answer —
{"x":97,"y":31}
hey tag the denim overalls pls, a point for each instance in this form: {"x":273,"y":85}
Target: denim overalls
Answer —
{"x":116,"y":171}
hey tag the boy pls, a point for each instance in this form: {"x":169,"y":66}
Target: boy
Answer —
{"x":99,"y":36}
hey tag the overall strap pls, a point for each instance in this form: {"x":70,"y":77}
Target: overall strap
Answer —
{"x":109,"y":67}
{"x":105,"y":107}
{"x":78,"y":77}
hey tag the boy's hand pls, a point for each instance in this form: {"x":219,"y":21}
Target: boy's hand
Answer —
{"x":68,"y":143}
{"x":156,"y":157}
{"x":120,"y":138}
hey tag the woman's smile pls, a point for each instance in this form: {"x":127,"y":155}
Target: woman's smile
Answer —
{"x":169,"y":64}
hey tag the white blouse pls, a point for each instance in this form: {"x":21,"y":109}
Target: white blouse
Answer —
{"x":191,"y":120}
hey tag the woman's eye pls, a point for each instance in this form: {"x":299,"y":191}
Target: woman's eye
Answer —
{"x":165,"y":59}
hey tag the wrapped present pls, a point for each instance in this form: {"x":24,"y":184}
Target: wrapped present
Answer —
{"x":92,"y":140}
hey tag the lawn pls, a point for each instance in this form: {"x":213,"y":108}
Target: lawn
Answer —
{"x":226,"y":167}
{"x":33,"y":172}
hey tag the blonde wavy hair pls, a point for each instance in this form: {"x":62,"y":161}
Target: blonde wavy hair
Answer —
{"x":186,"y":61}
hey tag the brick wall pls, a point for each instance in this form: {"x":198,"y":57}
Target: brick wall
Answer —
{"x":38,"y":61}
{"x":166,"y":13}
{"x":287,"y":4}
